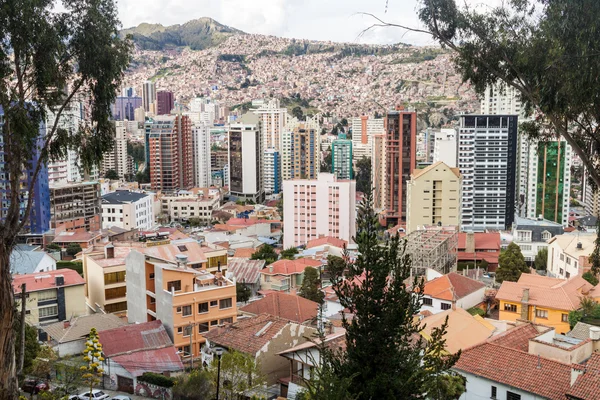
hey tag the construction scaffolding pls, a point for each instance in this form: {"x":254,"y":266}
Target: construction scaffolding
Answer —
{"x":433,"y":247}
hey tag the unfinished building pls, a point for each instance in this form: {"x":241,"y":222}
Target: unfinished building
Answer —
{"x":76,"y":206}
{"x":433,"y":247}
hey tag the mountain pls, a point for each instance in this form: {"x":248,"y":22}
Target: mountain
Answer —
{"x":198,"y":34}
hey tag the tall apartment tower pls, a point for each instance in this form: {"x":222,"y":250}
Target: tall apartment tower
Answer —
{"x":165,"y":101}
{"x":124,"y":108}
{"x":501,"y":99}
{"x":318,"y":207}
{"x":445,"y":146}
{"x":272,"y":118}
{"x":591,"y":196}
{"x":401,"y":159}
{"x":341,"y":157}
{"x":487,"y":159}
{"x":149,"y":96}
{"x":117,"y":159}
{"x":378,"y":172}
{"x":245,"y":160}
{"x":272,"y":171}
{"x":202,"y":168}
{"x":549,"y":181}
{"x":171,"y":153}
{"x":363,"y":129}
{"x":300,"y":153}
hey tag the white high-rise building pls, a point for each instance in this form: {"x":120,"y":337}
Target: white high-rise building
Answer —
{"x":363,"y":129}
{"x":149,"y":96}
{"x":444,"y":147}
{"x":245,"y":160}
{"x":272,"y":171}
{"x":272,"y":121}
{"x":201,"y":156}
{"x":487,"y":146}
{"x":501,"y":99}
{"x":117,"y":159}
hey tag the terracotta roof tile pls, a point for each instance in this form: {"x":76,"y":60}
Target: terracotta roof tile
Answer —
{"x":288,"y":267}
{"x":287,"y":306}
{"x":332,"y":241}
{"x":587,"y":385}
{"x":518,"y":337}
{"x":244,"y":252}
{"x":483,"y":241}
{"x":444,"y":287}
{"x":80,"y":327}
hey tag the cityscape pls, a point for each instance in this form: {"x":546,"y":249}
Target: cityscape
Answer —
{"x":277,"y":218}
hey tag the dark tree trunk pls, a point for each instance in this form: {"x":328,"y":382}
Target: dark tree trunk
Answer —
{"x":8,"y":381}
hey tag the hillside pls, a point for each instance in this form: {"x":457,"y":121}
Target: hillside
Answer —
{"x":197,"y":34}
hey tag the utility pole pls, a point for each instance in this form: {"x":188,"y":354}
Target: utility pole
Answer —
{"x":22,"y":349}
{"x":191,"y":346}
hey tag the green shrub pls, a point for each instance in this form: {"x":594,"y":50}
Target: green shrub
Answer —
{"x":77,"y":266}
{"x":476,"y":311}
{"x":156,"y":379}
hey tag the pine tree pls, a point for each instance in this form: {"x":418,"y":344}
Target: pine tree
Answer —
{"x":311,"y":286}
{"x":511,"y":264}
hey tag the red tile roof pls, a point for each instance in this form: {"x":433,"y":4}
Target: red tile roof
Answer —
{"x":244,"y":252}
{"x":483,"y":241}
{"x":451,"y":287}
{"x":46,"y":280}
{"x":326,"y":240}
{"x":287,"y":306}
{"x":288,"y":267}
{"x":518,"y":337}
{"x":587,"y":385}
{"x":135,"y":337}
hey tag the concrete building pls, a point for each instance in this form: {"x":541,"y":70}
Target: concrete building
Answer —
{"x":165,"y":101}
{"x":272,"y":171}
{"x":569,"y":254}
{"x":76,"y":206}
{"x":117,"y":159}
{"x":127,"y":210}
{"x":445,"y":147}
{"x":318,"y":207}
{"x":300,"y":154}
{"x":434,"y":197}
{"x":201,"y":155}
{"x":433,"y":248}
{"x":123,"y":109}
{"x":286,"y":275}
{"x":149,"y":96}
{"x":341,"y":157}
{"x":452,"y":290}
{"x":487,"y":160}
{"x":533,"y":234}
{"x":188,"y":301}
{"x":401,"y":142}
{"x":52,"y":296}
{"x":272,"y":120}
{"x":245,"y":161}
{"x":186,"y":205}
{"x":501,"y":99}
{"x":363,"y":130}
{"x":378,"y":172}
{"x":170,"y":152}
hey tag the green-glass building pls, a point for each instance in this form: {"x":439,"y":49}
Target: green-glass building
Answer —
{"x":341,"y":157}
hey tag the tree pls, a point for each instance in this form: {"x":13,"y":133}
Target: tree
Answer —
{"x":311,"y":286}
{"x":112,"y":175}
{"x":511,"y":264}
{"x":53,"y":247}
{"x":363,"y":175}
{"x":265,"y":252}
{"x":541,"y":259}
{"x":335,"y":266}
{"x":43,"y":364}
{"x":326,"y":162}
{"x":242,"y":291}
{"x":73,"y":249}
{"x":32,"y":346}
{"x":92,"y":356}
{"x":143,"y":177}
{"x":385,"y":355}
{"x":198,"y":385}
{"x":289,"y":253}
{"x":298,"y":113}
{"x":590,"y":277}
{"x":240,"y":374}
{"x":49,"y":58}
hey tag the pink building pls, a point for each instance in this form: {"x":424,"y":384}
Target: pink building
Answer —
{"x":319,"y":207}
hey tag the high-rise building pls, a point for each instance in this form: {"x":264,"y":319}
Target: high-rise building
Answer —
{"x":272,"y":122}
{"x":549,"y":181}
{"x":124,"y":108}
{"x":39,"y":215}
{"x":117,"y":159}
{"x":165,"y":101}
{"x":202,"y":156}
{"x":76,"y":206}
{"x":363,"y":129}
{"x":444,"y":148}
{"x":378,"y":172}
{"x":401,"y":158}
{"x":170,"y":152}
{"x":148,"y":95}
{"x":434,"y":197}
{"x":341,"y":157}
{"x":128,"y":92}
{"x":487,"y":159}
{"x":272,"y":171}
{"x":245,"y":160}
{"x":313,"y":208}
{"x":591,"y":196}
{"x":501,"y":99}
{"x":300,"y":150}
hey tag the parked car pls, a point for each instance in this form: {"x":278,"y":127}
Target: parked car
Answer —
{"x":95,"y":394}
{"x":121,"y":397}
{"x":34,"y":386}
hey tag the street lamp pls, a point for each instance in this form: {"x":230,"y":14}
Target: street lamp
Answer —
{"x":218,"y":351}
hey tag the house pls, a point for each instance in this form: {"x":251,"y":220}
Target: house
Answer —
{"x":68,"y":338}
{"x":132,"y":350}
{"x":452,"y":290}
{"x":246,"y":272}
{"x":284,"y":305}
{"x":84,"y":239}
{"x":30,"y":261}
{"x":332,"y":245}
{"x":263,"y":337}
{"x":463,"y":331}
{"x":586,"y":224}
{"x":476,"y":247}
{"x":568,"y":254}
{"x":128,"y":210}
{"x":542,"y":299}
{"x":532,"y":235}
{"x":286,"y":275}
{"x":331,"y":303}
{"x":51,"y":296}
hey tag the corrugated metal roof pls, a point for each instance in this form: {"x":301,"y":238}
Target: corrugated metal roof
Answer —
{"x":247,"y":271}
{"x":131,"y":338}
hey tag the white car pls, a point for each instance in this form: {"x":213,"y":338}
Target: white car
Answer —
{"x":96,"y":394}
{"x":121,"y":397}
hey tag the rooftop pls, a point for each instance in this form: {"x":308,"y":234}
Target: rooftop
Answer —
{"x":483,"y":240}
{"x":327,"y":240}
{"x":451,"y":287}
{"x":46,"y":280}
{"x":439,"y":164}
{"x":287,"y":306}
{"x":520,"y":221}
{"x":569,"y":242}
{"x":244,"y":270}
{"x":80,"y":327}
{"x":122,"y":197}
{"x":288,"y":267}
{"x":25,"y":261}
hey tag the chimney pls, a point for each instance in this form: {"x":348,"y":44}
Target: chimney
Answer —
{"x":595,"y":333}
{"x":109,"y":251}
{"x":579,"y":246}
{"x":66,"y":324}
{"x":218,"y":274}
{"x":525,"y":305}
{"x":271,"y":268}
{"x":59,"y":280}
{"x":182,"y":260}
{"x":470,"y":242}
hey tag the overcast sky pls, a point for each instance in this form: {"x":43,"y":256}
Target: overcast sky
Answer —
{"x":335,"y":20}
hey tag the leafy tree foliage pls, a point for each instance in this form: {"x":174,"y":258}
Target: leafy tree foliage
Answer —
{"x":363,"y":175}
{"x":265,"y":252}
{"x":43,"y":364}
{"x":335,"y":266}
{"x":137,"y":151}
{"x":289,"y":253}
{"x":511,"y":264}
{"x":242,"y":291}
{"x":143,"y":177}
{"x":111,"y":174}
{"x":73,"y":249}
{"x":541,"y":259}
{"x":48,"y":59}
{"x":240,"y":373}
{"x":311,"y":286}
{"x":326,"y":162}
{"x":32,"y":346}
{"x":385,"y":356}
{"x":195,"y":386}
{"x":590,"y":277}
{"x":53,"y":247}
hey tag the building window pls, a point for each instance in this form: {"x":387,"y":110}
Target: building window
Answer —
{"x":512,"y":396}
{"x":115,"y":307}
{"x":227,"y":320}
{"x":427,"y":301}
{"x":446,"y":306}
{"x":186,"y":311}
{"x":494,"y":392}
{"x":203,"y":327}
{"x":46,"y":295}
{"x":524,"y":236}
{"x":569,"y":260}
{"x":541,"y":313}
{"x":187,"y":330}
{"x":565,"y":318}
{"x":546,"y":235}
{"x":225,"y":303}
{"x":214,"y":303}
{"x":568,"y":275}
{"x":174,"y":285}
{"x":115,"y":293}
{"x":562,"y":257}
{"x":510,"y":307}
{"x":151,"y":276}
{"x":202,"y":308}
{"x":180,"y":329}
{"x":48,"y":311}
{"x":561,"y":271}
{"x":114,"y":277}
{"x":214,"y":323}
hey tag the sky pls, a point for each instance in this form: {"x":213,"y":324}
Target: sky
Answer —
{"x":335,"y":20}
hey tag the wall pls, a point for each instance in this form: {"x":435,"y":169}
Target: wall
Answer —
{"x":567,"y":356}
{"x":554,"y":319}
{"x":74,"y":348}
{"x":136,"y":287}
{"x":471,"y":300}
{"x":436,"y":307}
{"x":75,"y":301}
{"x":480,"y":388}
